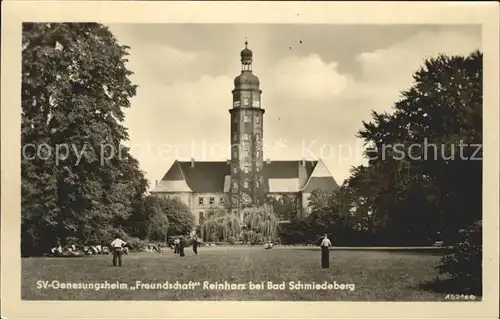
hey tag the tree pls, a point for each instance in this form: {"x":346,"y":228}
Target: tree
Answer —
{"x":418,"y":190}
{"x":180,"y":219}
{"x":284,"y":207}
{"x":221,"y":228}
{"x":83,"y":181}
{"x":154,"y":219}
{"x":157,"y":227}
{"x":464,"y":261}
{"x":260,"y":223}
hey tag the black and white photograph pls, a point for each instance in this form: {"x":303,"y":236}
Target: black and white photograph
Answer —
{"x":175,"y":161}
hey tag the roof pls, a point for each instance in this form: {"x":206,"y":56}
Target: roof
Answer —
{"x":214,"y":177}
{"x":205,"y":177}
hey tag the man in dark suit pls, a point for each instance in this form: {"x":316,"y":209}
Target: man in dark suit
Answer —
{"x":195,"y":245}
{"x":182,"y":243}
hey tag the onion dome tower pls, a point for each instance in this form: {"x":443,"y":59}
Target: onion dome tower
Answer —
{"x":247,"y":182}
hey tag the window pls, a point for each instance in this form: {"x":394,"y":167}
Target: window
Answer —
{"x":245,"y":102}
{"x":235,"y":153}
{"x":235,"y":169}
{"x":200,"y":216}
{"x":236,"y":103}
{"x":257,"y":184}
{"x":257,"y":137}
{"x":255,"y":103}
{"x":245,"y":94}
{"x":245,"y":169}
{"x":235,"y":137}
{"x":211,"y":200}
{"x":222,"y":200}
{"x":257,"y":119}
{"x":245,"y":137}
{"x":235,"y":187}
{"x":235,"y":119}
{"x":246,"y":119}
{"x":200,"y":200}
{"x":245,"y":184}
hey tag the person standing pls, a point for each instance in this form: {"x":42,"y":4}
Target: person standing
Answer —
{"x":195,"y":245}
{"x":117,"y":246}
{"x":176,"y":245}
{"x":325,"y":252}
{"x":182,"y":243}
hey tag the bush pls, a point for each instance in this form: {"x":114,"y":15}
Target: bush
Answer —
{"x":464,"y":260}
{"x":135,"y":243}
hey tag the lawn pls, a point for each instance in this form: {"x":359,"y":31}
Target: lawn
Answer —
{"x":377,"y":275}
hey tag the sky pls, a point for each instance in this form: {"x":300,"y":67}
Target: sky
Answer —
{"x":319,"y":83}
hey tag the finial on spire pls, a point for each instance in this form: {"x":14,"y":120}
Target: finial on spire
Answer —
{"x":246,"y":44}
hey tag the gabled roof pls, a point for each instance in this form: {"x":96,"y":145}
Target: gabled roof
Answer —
{"x":173,"y":181}
{"x":205,"y":177}
{"x":214,"y":177}
{"x":320,"y":178}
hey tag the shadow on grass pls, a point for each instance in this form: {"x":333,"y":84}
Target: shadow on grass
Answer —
{"x":453,"y":286}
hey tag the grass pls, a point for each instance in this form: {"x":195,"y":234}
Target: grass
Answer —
{"x":377,"y":275}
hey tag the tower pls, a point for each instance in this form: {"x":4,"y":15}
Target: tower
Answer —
{"x":247,"y":182}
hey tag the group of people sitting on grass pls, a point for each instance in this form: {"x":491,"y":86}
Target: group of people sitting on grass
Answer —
{"x":74,"y":250}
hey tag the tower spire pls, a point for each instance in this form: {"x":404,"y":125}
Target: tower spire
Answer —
{"x":247,"y":183}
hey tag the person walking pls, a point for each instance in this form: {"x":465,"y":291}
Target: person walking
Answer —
{"x":325,"y":252}
{"x":117,"y":246}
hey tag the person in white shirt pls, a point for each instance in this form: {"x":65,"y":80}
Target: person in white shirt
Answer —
{"x":325,"y":252}
{"x":117,"y":246}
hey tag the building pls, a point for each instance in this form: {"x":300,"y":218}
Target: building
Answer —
{"x":246,"y":180}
